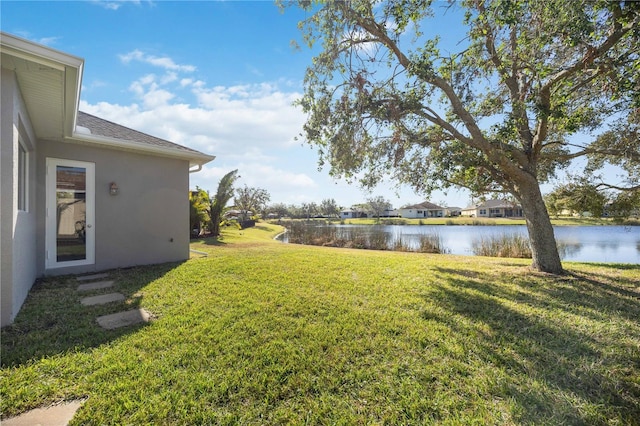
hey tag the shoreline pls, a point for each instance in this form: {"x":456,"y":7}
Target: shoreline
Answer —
{"x":465,"y":221}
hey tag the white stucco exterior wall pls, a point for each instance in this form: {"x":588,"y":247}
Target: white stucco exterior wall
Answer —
{"x":18,"y":230}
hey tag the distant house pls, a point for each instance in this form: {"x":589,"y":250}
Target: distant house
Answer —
{"x":453,"y":211}
{"x":79,"y":193}
{"x":494,"y":208}
{"x":422,"y":210}
{"x":389,"y":213}
{"x":352,"y":214}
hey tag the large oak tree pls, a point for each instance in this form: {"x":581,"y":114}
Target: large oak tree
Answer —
{"x":495,"y":113}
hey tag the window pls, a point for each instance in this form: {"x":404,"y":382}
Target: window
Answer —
{"x":483,"y":211}
{"x":22,"y":177}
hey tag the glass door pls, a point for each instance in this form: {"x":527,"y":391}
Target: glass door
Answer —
{"x":70,"y":213}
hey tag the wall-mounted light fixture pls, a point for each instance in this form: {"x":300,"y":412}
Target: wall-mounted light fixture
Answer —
{"x":113,"y":188}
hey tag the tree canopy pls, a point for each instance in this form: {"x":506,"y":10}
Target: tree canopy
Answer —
{"x":250,"y":199}
{"x":377,"y":206}
{"x":497,"y":112}
{"x":199,"y":205}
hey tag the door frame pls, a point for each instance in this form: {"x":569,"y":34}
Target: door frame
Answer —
{"x":51,"y":259}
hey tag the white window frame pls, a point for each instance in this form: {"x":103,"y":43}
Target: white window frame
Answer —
{"x":23,"y":177}
{"x":51,"y":261}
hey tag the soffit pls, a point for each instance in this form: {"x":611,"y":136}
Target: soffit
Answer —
{"x":42,"y":89}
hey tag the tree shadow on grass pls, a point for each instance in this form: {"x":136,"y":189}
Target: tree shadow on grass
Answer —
{"x":557,"y":371}
{"x":263,"y":228}
{"x":53,"y":321}
{"x":210,"y":241}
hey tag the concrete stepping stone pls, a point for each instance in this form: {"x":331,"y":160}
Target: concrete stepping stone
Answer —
{"x":56,"y":415}
{"x":92,"y":277}
{"x":123,"y":319}
{"x":102,"y":299}
{"x":95,"y":285}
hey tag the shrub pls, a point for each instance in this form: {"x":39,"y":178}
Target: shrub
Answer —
{"x":505,"y":245}
{"x":431,"y":243}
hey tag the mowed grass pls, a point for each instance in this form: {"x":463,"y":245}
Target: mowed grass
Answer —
{"x":261,"y":332}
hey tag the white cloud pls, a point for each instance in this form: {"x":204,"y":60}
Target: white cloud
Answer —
{"x":48,"y":41}
{"x":283,"y":186}
{"x":161,"y":62}
{"x":110,"y":5}
{"x":116,"y":4}
{"x":247,"y":127}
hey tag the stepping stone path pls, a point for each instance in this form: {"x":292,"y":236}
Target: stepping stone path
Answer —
{"x":63,"y":413}
{"x":56,"y":415}
{"x":102,"y":299}
{"x":121,"y":319}
{"x":95,"y":286}
{"x":112,"y":321}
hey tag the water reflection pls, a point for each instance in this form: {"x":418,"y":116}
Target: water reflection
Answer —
{"x":619,"y":244}
{"x":568,"y":250}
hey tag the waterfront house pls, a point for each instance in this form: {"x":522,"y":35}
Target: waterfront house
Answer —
{"x":494,"y":208}
{"x":422,"y":210}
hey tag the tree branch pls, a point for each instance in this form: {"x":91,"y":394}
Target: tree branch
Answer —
{"x":509,"y":77}
{"x":618,"y":31}
{"x":619,"y":188}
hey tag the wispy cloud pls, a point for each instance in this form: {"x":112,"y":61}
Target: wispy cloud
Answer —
{"x":116,"y":4}
{"x":157,"y":61}
{"x":47,"y":41}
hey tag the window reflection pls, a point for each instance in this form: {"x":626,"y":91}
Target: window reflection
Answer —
{"x":71,"y":208}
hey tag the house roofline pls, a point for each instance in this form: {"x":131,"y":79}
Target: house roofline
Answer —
{"x":72,"y":67}
{"x":195,"y":158}
{"x":35,"y":52}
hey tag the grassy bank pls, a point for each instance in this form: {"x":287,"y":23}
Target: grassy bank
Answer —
{"x":260,"y":332}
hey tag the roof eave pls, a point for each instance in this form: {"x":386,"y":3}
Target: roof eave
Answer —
{"x":34,"y":52}
{"x":72,"y":67}
{"x":194,"y":158}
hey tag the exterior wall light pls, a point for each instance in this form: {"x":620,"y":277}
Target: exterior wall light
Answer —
{"x":113,"y":188}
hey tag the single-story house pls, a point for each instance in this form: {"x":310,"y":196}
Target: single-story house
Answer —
{"x":79,"y":194}
{"x":352,"y":214}
{"x":422,"y":210}
{"x":494,"y":208}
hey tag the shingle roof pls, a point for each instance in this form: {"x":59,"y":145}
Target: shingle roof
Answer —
{"x":424,"y":205}
{"x":493,"y":204}
{"x":102,"y":127}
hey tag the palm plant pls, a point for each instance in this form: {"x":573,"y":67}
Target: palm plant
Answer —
{"x":220,"y":200}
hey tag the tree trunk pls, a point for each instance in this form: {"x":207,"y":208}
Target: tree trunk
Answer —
{"x":543,"y":242}
{"x":215,"y":223}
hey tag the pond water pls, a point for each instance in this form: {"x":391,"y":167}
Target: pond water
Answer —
{"x":619,"y":244}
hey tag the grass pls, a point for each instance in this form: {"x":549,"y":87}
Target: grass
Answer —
{"x":261,"y":332}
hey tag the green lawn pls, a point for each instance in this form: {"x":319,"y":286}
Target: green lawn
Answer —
{"x":265,"y":333}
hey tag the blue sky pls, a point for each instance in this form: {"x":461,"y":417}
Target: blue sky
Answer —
{"x":219,"y":77}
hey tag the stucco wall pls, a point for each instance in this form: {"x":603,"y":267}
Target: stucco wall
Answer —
{"x":17,"y":228}
{"x":146,"y":223}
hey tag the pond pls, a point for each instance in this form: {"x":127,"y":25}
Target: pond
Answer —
{"x":619,"y":244}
